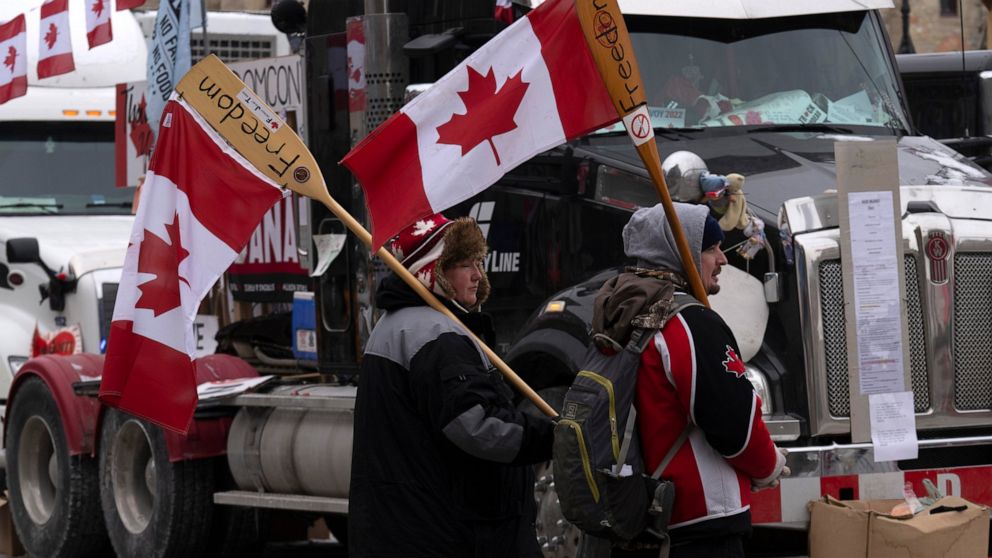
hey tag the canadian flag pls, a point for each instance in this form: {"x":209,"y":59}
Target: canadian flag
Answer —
{"x":13,"y":59}
{"x":129,"y":4}
{"x":98,"y":29}
{"x":54,"y":47}
{"x":504,"y":11}
{"x":530,"y":88}
{"x":200,"y":203}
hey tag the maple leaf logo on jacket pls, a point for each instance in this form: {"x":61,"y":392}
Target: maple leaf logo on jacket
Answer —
{"x":98,"y":8}
{"x":51,"y":35}
{"x":733,"y":364}
{"x":11,"y":58}
{"x":162,"y":260}
{"x":488,"y":112}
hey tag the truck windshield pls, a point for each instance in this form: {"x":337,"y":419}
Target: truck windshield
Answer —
{"x":59,"y":168}
{"x":824,"y":69}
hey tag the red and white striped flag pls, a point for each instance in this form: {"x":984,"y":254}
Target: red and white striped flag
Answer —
{"x":54,"y":46}
{"x":200,"y":202}
{"x":98,"y":29}
{"x":13,"y":59}
{"x":530,"y":88}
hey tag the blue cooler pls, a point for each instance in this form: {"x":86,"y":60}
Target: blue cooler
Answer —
{"x":304,"y":326}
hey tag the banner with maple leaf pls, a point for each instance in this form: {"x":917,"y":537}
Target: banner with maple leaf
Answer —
{"x":200,"y":202}
{"x":54,"y":44}
{"x":98,"y":30}
{"x":13,"y":59}
{"x":532,"y":87}
{"x":133,"y":138}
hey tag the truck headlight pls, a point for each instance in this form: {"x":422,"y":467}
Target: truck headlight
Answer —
{"x":15,"y":363}
{"x":760,"y":384}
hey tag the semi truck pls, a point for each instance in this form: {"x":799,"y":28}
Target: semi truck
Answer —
{"x":787,"y":80}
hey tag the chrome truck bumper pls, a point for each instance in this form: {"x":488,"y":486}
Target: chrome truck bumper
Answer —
{"x":849,"y":471}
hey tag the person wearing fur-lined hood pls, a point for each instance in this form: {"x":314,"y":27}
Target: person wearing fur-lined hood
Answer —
{"x":441,"y":464}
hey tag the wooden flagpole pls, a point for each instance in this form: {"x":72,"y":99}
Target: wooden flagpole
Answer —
{"x":608,"y":40}
{"x":261,"y":137}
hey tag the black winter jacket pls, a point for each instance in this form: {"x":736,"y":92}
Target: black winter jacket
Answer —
{"x":441,"y":458}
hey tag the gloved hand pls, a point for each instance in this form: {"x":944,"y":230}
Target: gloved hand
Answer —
{"x":781,"y":470}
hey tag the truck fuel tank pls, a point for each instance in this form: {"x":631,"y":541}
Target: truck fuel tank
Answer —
{"x":294,"y":440}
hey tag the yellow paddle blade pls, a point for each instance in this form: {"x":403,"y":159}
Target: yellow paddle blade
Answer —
{"x":251,"y":127}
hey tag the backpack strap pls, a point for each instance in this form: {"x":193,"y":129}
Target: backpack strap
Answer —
{"x":672,"y":451}
{"x":639,"y":340}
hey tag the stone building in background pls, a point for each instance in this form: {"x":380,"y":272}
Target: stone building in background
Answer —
{"x":935,"y":25}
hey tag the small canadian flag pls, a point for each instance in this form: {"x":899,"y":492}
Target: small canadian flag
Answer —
{"x":13,"y":59}
{"x":54,"y":46}
{"x":98,"y":29}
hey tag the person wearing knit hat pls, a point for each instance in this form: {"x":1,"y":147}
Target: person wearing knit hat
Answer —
{"x":690,"y":380}
{"x":432,"y":248}
{"x":441,"y":459}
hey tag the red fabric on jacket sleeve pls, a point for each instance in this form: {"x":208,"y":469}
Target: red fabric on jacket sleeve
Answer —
{"x":710,"y":379}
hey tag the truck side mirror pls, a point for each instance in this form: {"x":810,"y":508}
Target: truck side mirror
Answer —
{"x":23,"y":250}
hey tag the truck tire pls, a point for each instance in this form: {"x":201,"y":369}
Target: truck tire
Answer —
{"x":152,"y":508}
{"x":235,"y":532}
{"x":54,"y":497}
{"x":557,"y":537}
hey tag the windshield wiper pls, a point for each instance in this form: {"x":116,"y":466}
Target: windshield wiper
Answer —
{"x":126,"y":204}
{"x":812,"y":127}
{"x":49,"y":206}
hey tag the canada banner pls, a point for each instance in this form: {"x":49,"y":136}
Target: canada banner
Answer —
{"x":200,"y":202}
{"x":532,"y":87}
{"x":54,"y":46}
{"x":98,"y":30}
{"x":13,"y":59}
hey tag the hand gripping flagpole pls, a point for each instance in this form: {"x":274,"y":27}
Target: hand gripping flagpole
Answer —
{"x":608,"y":40}
{"x":254,"y":131}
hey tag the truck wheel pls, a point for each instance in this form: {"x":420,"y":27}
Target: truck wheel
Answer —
{"x":54,"y":498}
{"x":152,"y":508}
{"x":558,"y":538}
{"x":235,"y":532}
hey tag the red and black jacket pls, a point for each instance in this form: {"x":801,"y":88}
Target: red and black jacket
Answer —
{"x":692,"y":372}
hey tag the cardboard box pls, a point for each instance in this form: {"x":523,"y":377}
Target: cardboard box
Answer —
{"x":951,"y":527}
{"x":10,"y":545}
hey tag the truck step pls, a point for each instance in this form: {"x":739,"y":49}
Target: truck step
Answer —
{"x":281,"y":501}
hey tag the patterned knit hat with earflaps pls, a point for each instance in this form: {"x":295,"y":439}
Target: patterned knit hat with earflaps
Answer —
{"x":435,"y":244}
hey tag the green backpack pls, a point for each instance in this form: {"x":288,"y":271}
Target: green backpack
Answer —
{"x":598,"y":466}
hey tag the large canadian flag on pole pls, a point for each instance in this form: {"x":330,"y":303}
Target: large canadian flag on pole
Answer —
{"x":13,"y":59}
{"x":199,"y":204}
{"x":54,"y":46}
{"x":98,"y":29}
{"x":532,"y":87}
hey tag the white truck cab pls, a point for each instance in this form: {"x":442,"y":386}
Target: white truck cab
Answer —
{"x":63,"y":224}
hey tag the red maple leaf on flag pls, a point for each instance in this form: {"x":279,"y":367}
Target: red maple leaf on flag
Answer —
{"x":488,"y":113}
{"x":161,"y":294}
{"x":98,"y":8}
{"x":10,"y":58}
{"x":51,"y":35}
{"x":733,"y":364}
{"x":141,"y":132}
